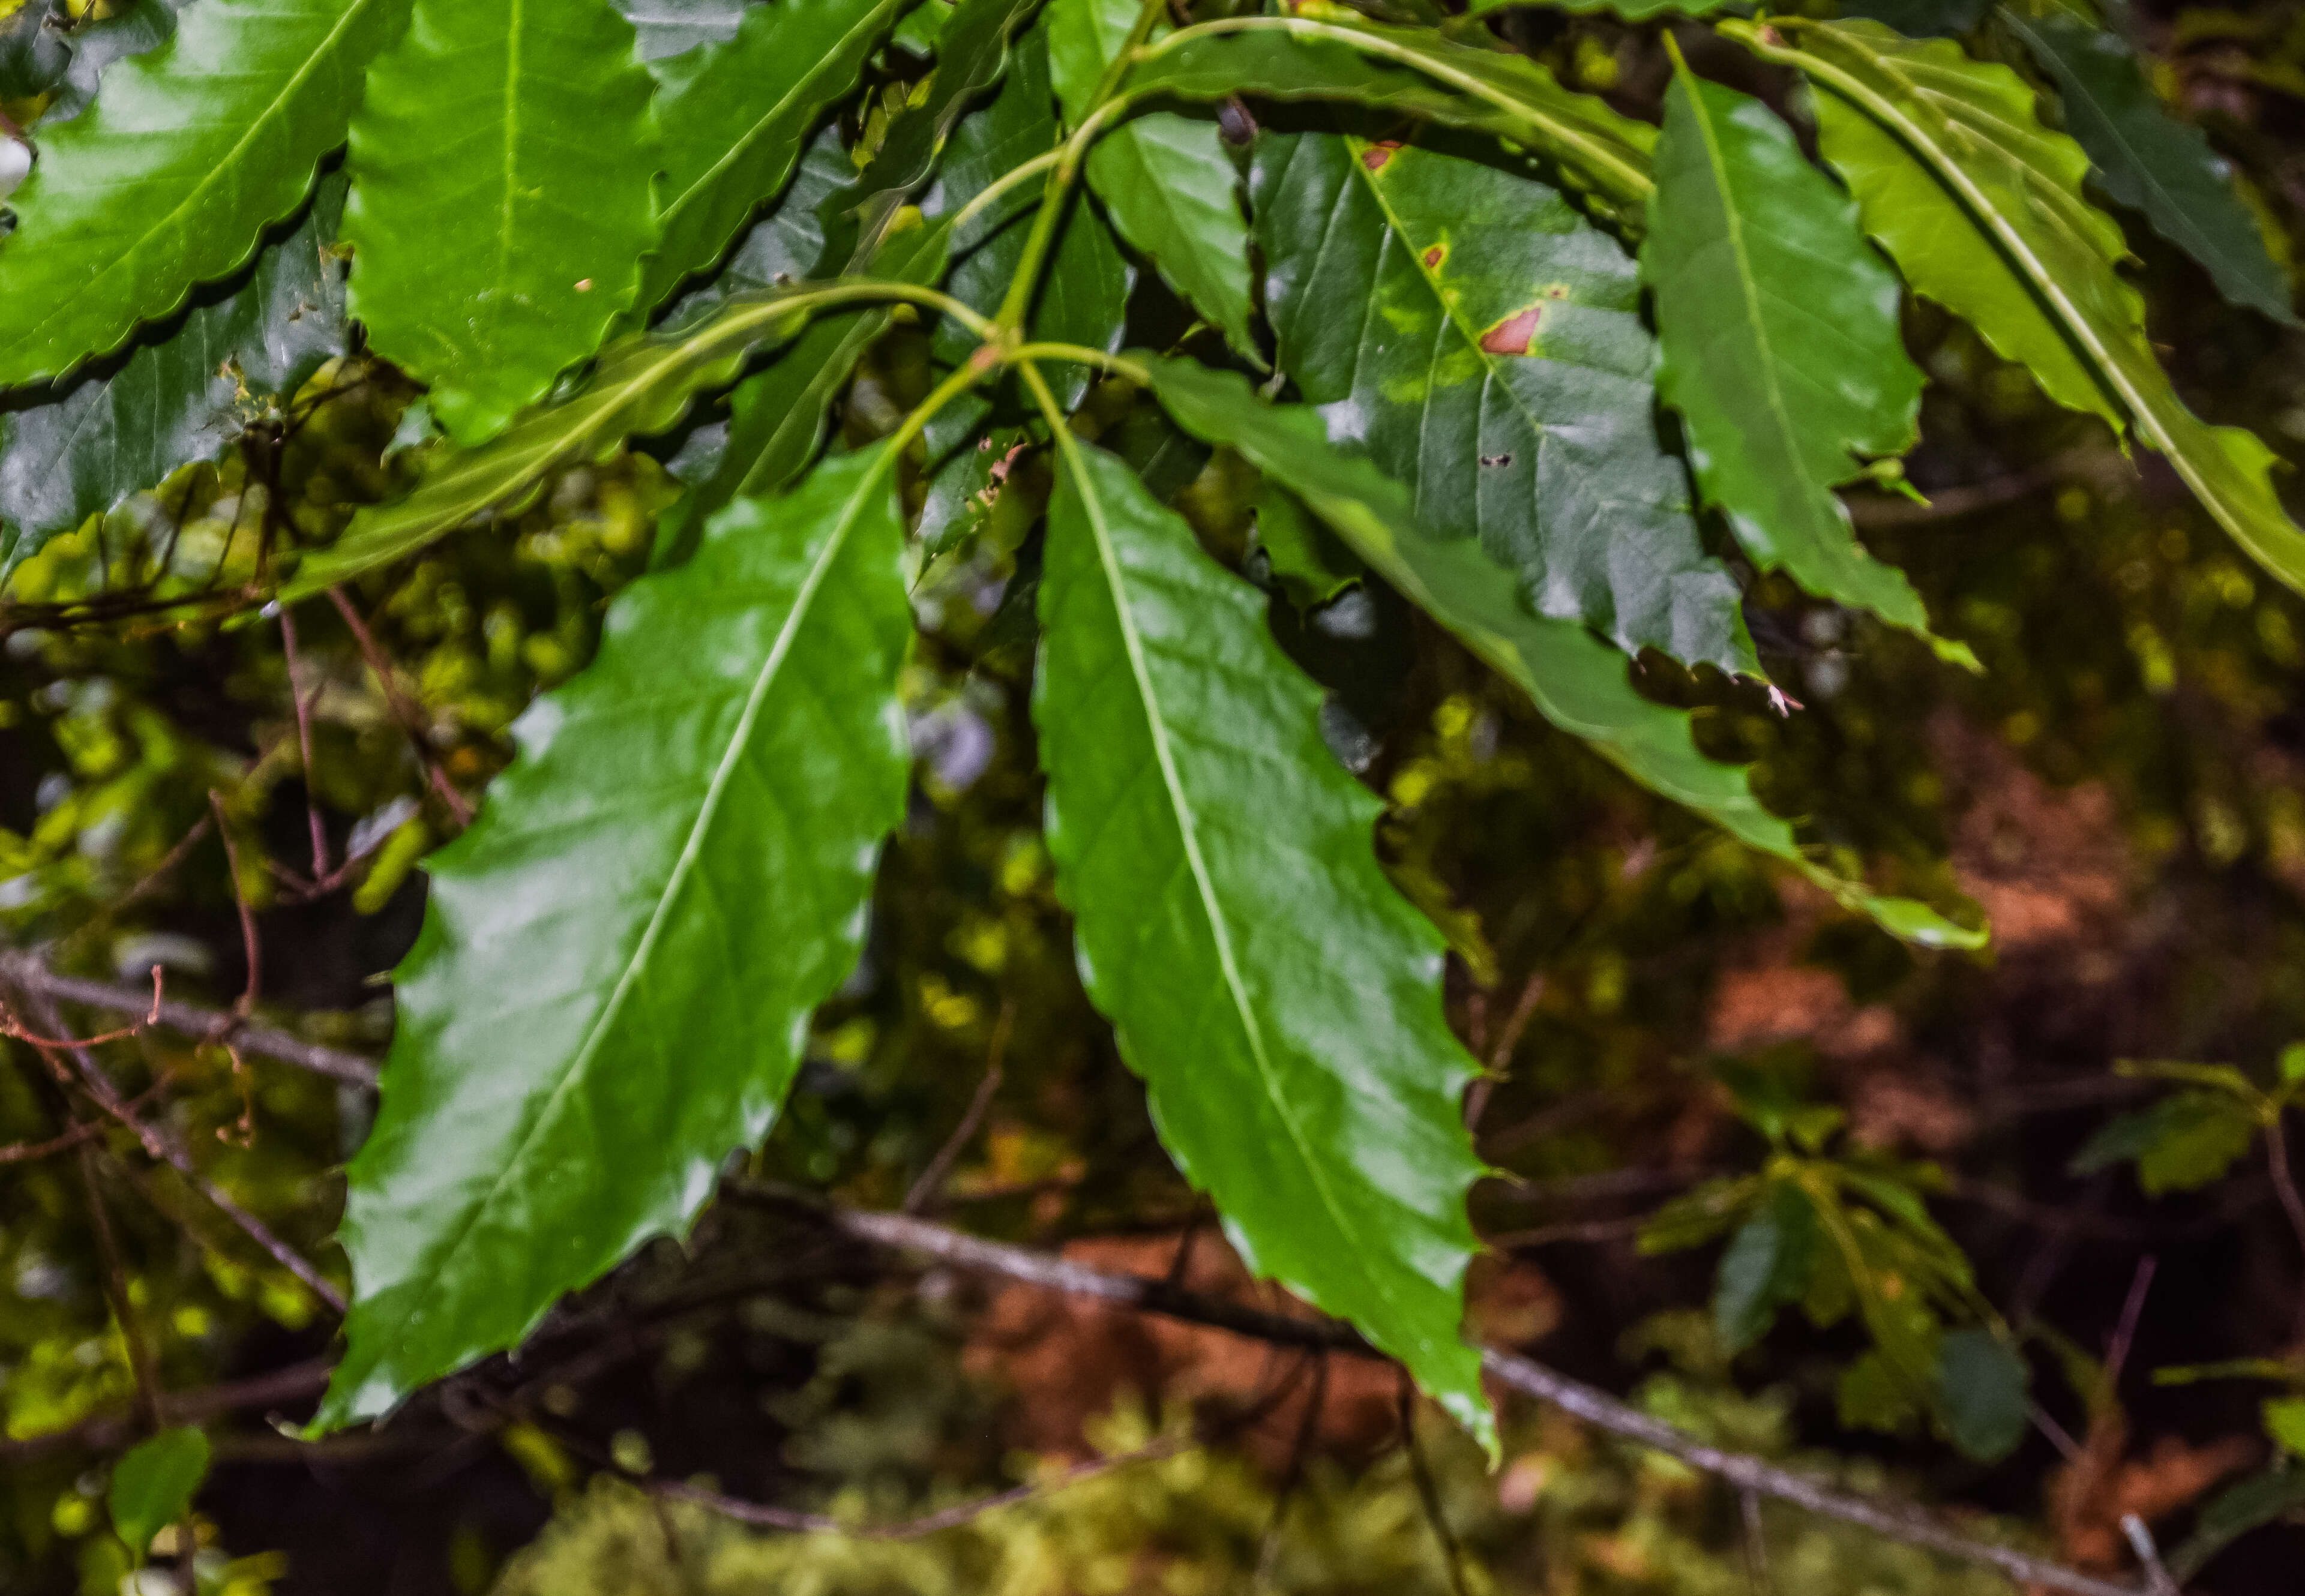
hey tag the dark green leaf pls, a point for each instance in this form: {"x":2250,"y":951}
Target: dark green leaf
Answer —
{"x":1495,"y":362}
{"x":1767,"y":1265}
{"x":152,"y":1487}
{"x":1779,"y":342}
{"x":2260,"y":1499}
{"x":1981,"y":207}
{"x":120,"y":427}
{"x":2149,"y":160}
{"x":496,"y":249}
{"x":1167,"y":181}
{"x":1280,"y":999}
{"x":618,"y":960}
{"x":1981,"y":1393}
{"x":735,"y":116}
{"x":782,"y":248}
{"x":1873,"y":1394}
{"x":194,"y":150}
{"x":1576,"y":681}
{"x":2179,"y":1145}
{"x":973,"y":50}
{"x":777,"y":416}
{"x":1308,"y":562}
{"x":1629,"y":11}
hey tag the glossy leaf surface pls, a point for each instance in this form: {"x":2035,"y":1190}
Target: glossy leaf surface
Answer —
{"x":617,"y":963}
{"x":195,"y":148}
{"x":1167,"y":181}
{"x":669,"y":28}
{"x":1576,"y":681}
{"x":1280,"y":999}
{"x":1779,"y":342}
{"x":734,"y":118}
{"x":2147,"y":159}
{"x":497,"y":247}
{"x":1929,"y":139}
{"x":122,"y":426}
{"x":1497,"y":365}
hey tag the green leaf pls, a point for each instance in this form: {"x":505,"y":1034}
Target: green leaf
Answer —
{"x":613,"y":983}
{"x":152,"y":1486}
{"x":1981,"y":1394}
{"x":1919,"y":19}
{"x":669,"y":28}
{"x":641,"y":386}
{"x":1576,"y":681}
{"x":1413,"y":72}
{"x":777,"y":416}
{"x":1767,"y":1265}
{"x":1628,"y":10}
{"x":1778,"y":342}
{"x":1873,"y":1394}
{"x":1309,"y":562}
{"x":90,"y":47}
{"x":497,"y":244}
{"x":81,"y":447}
{"x":1280,"y":999}
{"x":1698,"y":1216}
{"x":2263,"y":1498}
{"x":1498,"y":366}
{"x":2181,"y":1143}
{"x":2149,"y":161}
{"x":1167,"y":181}
{"x":2284,"y":1421}
{"x":194,"y":149}
{"x":1981,"y":208}
{"x":734,"y":117}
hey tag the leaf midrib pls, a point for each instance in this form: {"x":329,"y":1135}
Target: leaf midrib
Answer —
{"x":691,"y":849}
{"x":217,"y":174}
{"x":1189,"y":831}
{"x":1733,"y":226}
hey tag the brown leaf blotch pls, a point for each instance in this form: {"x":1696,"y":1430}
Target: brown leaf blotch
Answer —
{"x":1514,"y":334}
{"x":1433,"y":256}
{"x":1376,"y":154}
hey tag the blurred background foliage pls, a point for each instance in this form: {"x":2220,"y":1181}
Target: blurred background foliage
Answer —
{"x":2120,"y":792}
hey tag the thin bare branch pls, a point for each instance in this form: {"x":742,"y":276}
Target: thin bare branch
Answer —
{"x":26,"y":973}
{"x":924,"y":1190}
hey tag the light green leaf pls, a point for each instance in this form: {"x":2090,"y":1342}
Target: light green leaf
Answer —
{"x":1778,"y":342}
{"x":1495,"y":362}
{"x":152,"y":1486}
{"x":1981,"y":1392}
{"x":1280,"y":999}
{"x":193,"y":149}
{"x":1767,"y":1265}
{"x":1167,"y":181}
{"x":1981,"y":207}
{"x":497,"y":245}
{"x":1576,"y":681}
{"x":613,"y":983}
{"x":81,"y":446}
{"x":1413,"y":72}
{"x":1629,"y":11}
{"x":733,"y":119}
{"x":2284,"y":1421}
{"x":2149,"y":160}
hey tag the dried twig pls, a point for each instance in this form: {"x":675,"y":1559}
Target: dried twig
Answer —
{"x":26,"y":973}
{"x":303,"y":708}
{"x":403,"y":709}
{"x":931,"y":1179}
{"x":1885,"y":1517}
{"x":9,"y":1026}
{"x":163,"y":1147}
